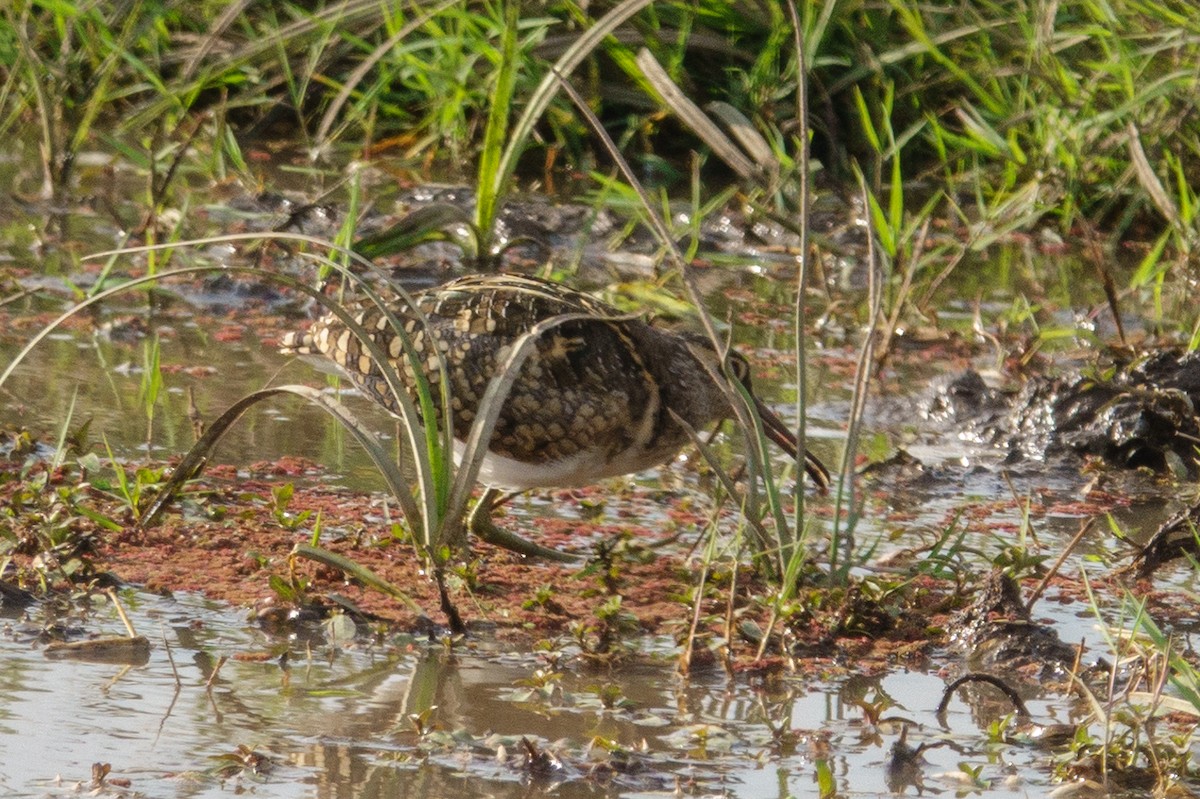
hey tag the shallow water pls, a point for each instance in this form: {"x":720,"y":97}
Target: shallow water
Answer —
{"x":336,"y":720}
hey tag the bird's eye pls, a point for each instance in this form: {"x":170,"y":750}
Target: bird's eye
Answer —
{"x":740,"y":368}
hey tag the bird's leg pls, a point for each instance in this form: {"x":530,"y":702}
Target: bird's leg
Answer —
{"x":480,"y":523}
{"x":453,"y":618}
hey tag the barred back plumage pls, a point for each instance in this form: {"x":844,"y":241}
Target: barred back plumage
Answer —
{"x":598,"y":397}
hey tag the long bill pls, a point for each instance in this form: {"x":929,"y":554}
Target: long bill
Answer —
{"x":782,"y":435}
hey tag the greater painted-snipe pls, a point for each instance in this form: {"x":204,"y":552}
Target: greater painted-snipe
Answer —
{"x":599,"y":397}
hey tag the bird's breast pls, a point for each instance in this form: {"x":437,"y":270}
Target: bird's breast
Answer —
{"x":584,"y":467}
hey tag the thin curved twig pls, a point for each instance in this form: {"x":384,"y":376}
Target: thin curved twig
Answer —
{"x":976,"y":676}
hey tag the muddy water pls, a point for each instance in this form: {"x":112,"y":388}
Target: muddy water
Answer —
{"x":80,"y":376}
{"x":336,"y":720}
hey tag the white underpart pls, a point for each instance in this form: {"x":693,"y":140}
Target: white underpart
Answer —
{"x":582,"y":469}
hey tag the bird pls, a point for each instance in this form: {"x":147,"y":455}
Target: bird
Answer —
{"x":603,"y":394}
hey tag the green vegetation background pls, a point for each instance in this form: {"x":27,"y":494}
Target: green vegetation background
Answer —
{"x":1066,"y":114}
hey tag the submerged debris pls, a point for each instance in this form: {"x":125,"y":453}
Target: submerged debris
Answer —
{"x":998,"y":635}
{"x":1137,"y":414}
{"x":105,"y":649}
{"x":1175,"y":538}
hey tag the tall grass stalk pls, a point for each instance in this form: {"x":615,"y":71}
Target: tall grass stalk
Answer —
{"x":427,"y":450}
{"x":758,"y":465}
{"x":793,"y":552}
{"x":846,"y":504}
{"x":489,"y":190}
{"x":68,"y":76}
{"x":436,"y":510}
{"x":541,"y":97}
{"x":358,"y":75}
{"x":151,"y":385}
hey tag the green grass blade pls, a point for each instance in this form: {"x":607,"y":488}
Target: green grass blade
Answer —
{"x":690,"y":114}
{"x":357,"y":571}
{"x":539,"y":101}
{"x":196,"y":458}
{"x":475,"y":448}
{"x":492,"y":184}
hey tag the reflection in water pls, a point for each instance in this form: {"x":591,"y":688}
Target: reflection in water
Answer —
{"x":408,"y":718}
{"x":73,"y":379}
